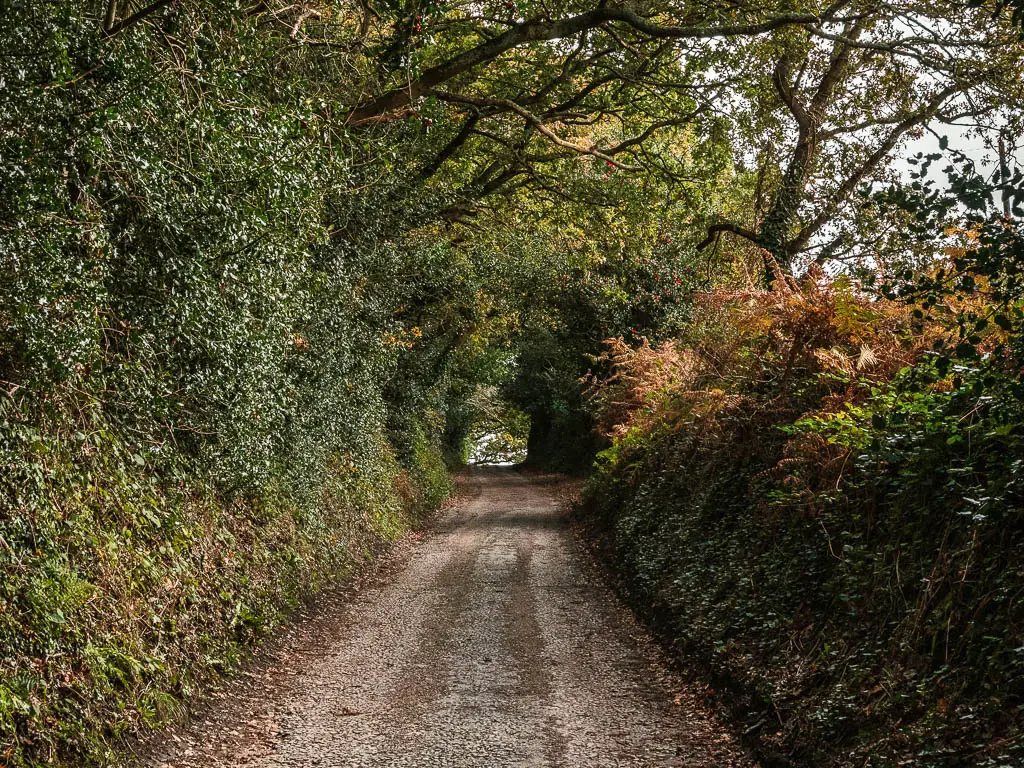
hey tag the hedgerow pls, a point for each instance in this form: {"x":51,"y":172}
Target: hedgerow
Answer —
{"x":826,"y":511}
{"x":196,"y":413}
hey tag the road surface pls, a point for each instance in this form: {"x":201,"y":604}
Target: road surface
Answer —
{"x":491,"y":643}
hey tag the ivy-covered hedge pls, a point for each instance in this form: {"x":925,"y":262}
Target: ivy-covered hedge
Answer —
{"x":831,"y":523}
{"x":197,"y":414}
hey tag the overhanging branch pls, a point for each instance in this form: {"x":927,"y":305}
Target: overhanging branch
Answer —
{"x":535,"y":121}
{"x":539,"y":30}
{"x":716,"y":229}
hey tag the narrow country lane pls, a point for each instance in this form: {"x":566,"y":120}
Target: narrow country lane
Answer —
{"x":492,"y":644}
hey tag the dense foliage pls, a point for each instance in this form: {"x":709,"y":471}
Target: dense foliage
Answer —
{"x":819,"y":496}
{"x":198,"y":427}
{"x":268,"y":269}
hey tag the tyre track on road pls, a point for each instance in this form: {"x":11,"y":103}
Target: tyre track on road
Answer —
{"x":494,"y":644}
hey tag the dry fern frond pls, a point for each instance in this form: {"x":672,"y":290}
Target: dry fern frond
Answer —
{"x":867,"y":358}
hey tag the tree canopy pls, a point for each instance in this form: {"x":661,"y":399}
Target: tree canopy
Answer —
{"x":265,"y":266}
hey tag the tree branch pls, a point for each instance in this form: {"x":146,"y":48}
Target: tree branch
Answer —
{"x":651,"y":129}
{"x":110,"y":15}
{"x":538,"y":30}
{"x":715,"y":229}
{"x":845,"y":189}
{"x":780,"y":79}
{"x":135,"y":18}
{"x":535,"y":121}
{"x":451,"y":147}
{"x":308,"y":13}
{"x":836,"y":70}
{"x":478,"y":190}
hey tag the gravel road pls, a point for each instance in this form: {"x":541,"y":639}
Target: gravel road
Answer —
{"x":491,"y":643}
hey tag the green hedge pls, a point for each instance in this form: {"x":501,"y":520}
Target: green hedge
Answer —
{"x":195,"y":381}
{"x":126,"y":588}
{"x":878,"y":621}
